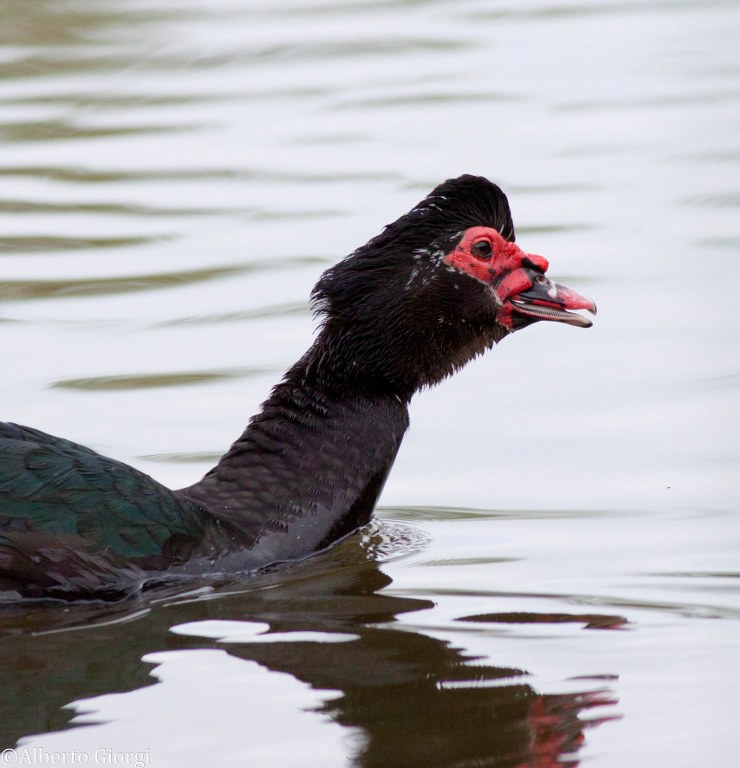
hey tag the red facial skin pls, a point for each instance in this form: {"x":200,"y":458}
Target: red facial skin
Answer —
{"x":504,"y":271}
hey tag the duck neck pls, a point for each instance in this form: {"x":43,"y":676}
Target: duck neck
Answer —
{"x":309,"y":467}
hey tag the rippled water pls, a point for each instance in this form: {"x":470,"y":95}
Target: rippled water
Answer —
{"x":553,"y":577}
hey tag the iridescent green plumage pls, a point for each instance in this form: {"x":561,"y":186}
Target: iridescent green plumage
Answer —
{"x":58,"y":498}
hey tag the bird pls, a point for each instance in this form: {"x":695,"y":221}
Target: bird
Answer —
{"x":435,"y":289}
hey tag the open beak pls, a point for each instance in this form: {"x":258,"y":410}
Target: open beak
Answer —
{"x":547,"y":300}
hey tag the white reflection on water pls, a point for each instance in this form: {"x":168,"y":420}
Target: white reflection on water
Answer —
{"x":244,"y":710}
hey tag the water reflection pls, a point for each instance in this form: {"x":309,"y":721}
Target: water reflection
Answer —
{"x":417,"y":699}
{"x":16,"y":290}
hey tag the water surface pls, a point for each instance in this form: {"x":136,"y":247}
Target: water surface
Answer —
{"x":553,"y":577}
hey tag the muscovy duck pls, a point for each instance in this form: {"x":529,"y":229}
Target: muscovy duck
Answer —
{"x":432,"y":291}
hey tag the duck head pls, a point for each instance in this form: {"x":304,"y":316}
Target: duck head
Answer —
{"x":436,"y":288}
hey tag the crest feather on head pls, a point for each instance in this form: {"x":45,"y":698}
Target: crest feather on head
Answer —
{"x":449,"y":209}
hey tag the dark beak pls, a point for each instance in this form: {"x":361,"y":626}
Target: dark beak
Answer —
{"x":547,"y":300}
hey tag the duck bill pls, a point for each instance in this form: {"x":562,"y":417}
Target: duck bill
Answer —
{"x":546,"y":300}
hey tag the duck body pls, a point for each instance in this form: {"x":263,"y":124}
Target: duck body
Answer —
{"x":79,"y":525}
{"x":435,"y":289}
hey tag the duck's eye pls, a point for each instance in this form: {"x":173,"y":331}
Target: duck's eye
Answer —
{"x":482,"y":250}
